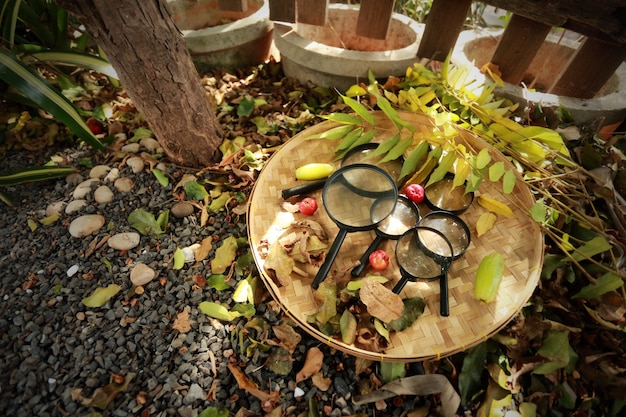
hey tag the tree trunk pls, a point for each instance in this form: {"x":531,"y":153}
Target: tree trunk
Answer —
{"x":150,"y":56}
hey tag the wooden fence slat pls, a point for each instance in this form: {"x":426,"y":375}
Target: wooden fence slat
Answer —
{"x":313,"y":12}
{"x":518,"y":45}
{"x":374,"y":18}
{"x":443,"y":25}
{"x":233,"y":5}
{"x":283,"y":10}
{"x":589,"y":69}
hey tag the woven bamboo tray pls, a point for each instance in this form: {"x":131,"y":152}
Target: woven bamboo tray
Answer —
{"x":470,"y":322}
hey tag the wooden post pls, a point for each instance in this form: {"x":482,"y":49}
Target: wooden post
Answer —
{"x":313,"y":12}
{"x":233,"y":5}
{"x":589,"y":69}
{"x":283,"y":10}
{"x":374,"y":18}
{"x":443,"y":25}
{"x":519,"y":44}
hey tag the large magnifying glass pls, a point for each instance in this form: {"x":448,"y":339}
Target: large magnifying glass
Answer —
{"x":453,"y":228}
{"x":443,"y":195}
{"x":405,"y":216}
{"x":356,"y":197}
{"x":425,"y":254}
{"x":361,"y":154}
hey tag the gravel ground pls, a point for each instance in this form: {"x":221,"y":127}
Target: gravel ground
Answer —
{"x":58,"y":356}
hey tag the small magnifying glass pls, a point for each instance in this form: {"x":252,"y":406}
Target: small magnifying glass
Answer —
{"x":453,"y":228}
{"x":405,"y":216}
{"x":443,"y":195}
{"x":356,"y":197}
{"x":358,"y":155}
{"x":425,"y":254}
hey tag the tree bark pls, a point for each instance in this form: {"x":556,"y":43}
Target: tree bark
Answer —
{"x":150,"y":56}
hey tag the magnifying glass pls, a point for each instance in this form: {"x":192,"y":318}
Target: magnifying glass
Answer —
{"x":453,"y":228}
{"x":359,"y":154}
{"x":405,"y":216}
{"x":424,"y":253}
{"x":356,"y":197}
{"x":443,"y":195}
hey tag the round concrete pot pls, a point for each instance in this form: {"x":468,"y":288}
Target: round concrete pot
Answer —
{"x":475,"y":48}
{"x":334,"y":56}
{"x":245,"y":40}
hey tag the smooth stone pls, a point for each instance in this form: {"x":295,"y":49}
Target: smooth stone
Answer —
{"x":103,"y":194}
{"x":124,"y":184}
{"x":99,"y":171}
{"x":54,"y":208}
{"x":131,"y":148}
{"x":141,"y":274}
{"x":72,"y":271}
{"x":150,"y":144}
{"x":85,"y":225}
{"x":113,"y":174}
{"x":136,"y":164}
{"x":182,"y":209}
{"x":74,"y":206}
{"x":74,"y":178}
{"x":84,"y":188}
{"x":124,"y":241}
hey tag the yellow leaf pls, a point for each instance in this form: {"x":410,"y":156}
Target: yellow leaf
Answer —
{"x":485,"y":223}
{"x":179,"y":259}
{"x":32,"y":225}
{"x":101,"y":296}
{"x":47,"y":221}
{"x":495,"y":206}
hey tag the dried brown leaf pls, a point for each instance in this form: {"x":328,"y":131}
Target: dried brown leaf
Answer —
{"x":381,"y":302}
{"x":182,"y":323}
{"x":279,"y":265}
{"x":312,"y":364}
{"x":321,"y":382}
{"x":202,"y":251}
{"x":244,"y":383}
{"x":288,"y":337}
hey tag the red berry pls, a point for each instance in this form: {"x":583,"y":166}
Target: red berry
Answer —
{"x":307,"y":206}
{"x":95,"y":126}
{"x":379,"y":260}
{"x":415,"y":193}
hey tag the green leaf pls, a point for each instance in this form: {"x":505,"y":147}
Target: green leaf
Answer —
{"x":384,"y":147}
{"x":390,"y":371}
{"x":195,"y":190}
{"x":348,"y":325}
{"x":607,"y":282}
{"x":392,"y":114}
{"x":77,"y":59}
{"x":413,"y":308}
{"x":508,"y":182}
{"x":398,"y":150}
{"x":496,"y":171}
{"x":343,"y":118}
{"x":179,"y":259}
{"x":334,"y":133}
{"x":101,"y":296}
{"x":218,"y":282}
{"x":141,"y":133}
{"x":348,"y":141}
{"x":483,"y":158}
{"x":224,"y":255}
{"x":32,"y":224}
{"x":556,"y":349}
{"x":594,"y":247}
{"x":161,"y":178}
{"x":538,"y":212}
{"x":414,"y":158}
{"x":220,"y":202}
{"x":470,"y":378}
{"x":362,"y":140}
{"x":488,"y":277}
{"x":246,"y":107}
{"x":145,"y":223}
{"x":44,"y":95}
{"x":217,"y":311}
{"x":359,"y":109}
{"x":246,"y":310}
{"x":442,"y":169}
{"x":214,"y":412}
{"x":33,"y":174}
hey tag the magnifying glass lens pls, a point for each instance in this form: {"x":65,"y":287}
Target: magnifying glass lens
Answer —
{"x":402,"y":219}
{"x":443,"y":195}
{"x":455,"y":231}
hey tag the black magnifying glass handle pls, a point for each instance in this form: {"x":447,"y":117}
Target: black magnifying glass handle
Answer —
{"x":444,"y":302}
{"x":302,"y":189}
{"x":330,"y":258}
{"x":365,"y":258}
{"x":400,"y":284}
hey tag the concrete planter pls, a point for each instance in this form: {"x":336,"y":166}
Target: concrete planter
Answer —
{"x":334,"y":56}
{"x":245,"y":40}
{"x":475,"y":48}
